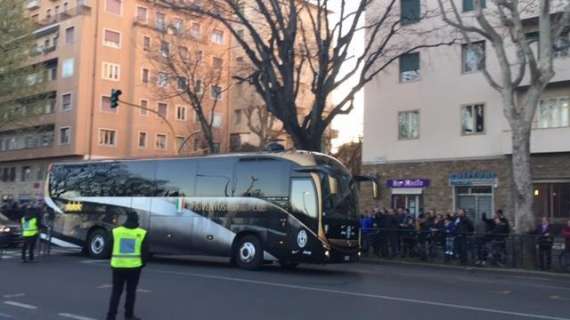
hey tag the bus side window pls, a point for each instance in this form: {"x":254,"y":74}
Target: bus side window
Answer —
{"x":304,"y":197}
{"x":262,"y":178}
{"x":175,"y":178}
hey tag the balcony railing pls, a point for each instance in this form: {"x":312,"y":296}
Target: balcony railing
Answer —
{"x":82,"y":9}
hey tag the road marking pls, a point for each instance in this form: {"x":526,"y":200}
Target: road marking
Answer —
{"x":505,"y":292}
{"x":74,"y":316}
{"x":6,"y":316}
{"x":144,"y":291}
{"x":20,"y":305}
{"x":16,"y":295}
{"x":365,"y":295}
{"x":105,"y":286}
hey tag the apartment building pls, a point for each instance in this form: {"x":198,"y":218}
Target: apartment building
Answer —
{"x":90,"y":47}
{"x":435,"y":133}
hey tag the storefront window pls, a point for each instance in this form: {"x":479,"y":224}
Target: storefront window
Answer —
{"x":552,"y":200}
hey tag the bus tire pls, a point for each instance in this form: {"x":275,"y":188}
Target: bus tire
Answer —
{"x":248,"y":252}
{"x":98,"y":244}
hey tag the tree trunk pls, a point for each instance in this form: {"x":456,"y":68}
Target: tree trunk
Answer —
{"x":522,"y":179}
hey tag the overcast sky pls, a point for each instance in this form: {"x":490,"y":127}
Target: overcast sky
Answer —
{"x":350,"y":126}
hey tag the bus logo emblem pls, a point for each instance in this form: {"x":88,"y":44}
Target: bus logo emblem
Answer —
{"x":302,"y":239}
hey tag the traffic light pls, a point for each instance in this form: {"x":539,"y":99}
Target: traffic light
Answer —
{"x":115,"y":94}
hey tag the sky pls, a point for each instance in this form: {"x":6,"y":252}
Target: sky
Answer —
{"x":350,"y":126}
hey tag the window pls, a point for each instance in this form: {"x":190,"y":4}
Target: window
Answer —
{"x":164,"y":49}
{"x":469,"y":5}
{"x":218,"y":120}
{"x":144,"y":107}
{"x":145,"y":75}
{"x":409,"y":125}
{"x":473,"y":119}
{"x":262,"y":178}
{"x":67,"y":68}
{"x":114,"y":6}
{"x":160,"y":142}
{"x":65,"y":135}
{"x":163,"y":109}
{"x":196,"y":30}
{"x":216,"y":92}
{"x":51,"y":71}
{"x":177,"y":176}
{"x":410,"y":11}
{"x":553,"y":113}
{"x":66,"y":102}
{"x":181,"y":113}
{"x":217,"y":63}
{"x":304,"y":197}
{"x":162,"y":80}
{"x":237,"y":117}
{"x":146,"y":43}
{"x":179,"y":142}
{"x":112,"y":39}
{"x":70,"y":35}
{"x":184,"y":54}
{"x":182,"y":83}
{"x":111,"y":71}
{"x":106,"y":105}
{"x":178,"y":25}
{"x":473,"y":56}
{"x":142,"y":14}
{"x":552,"y":200}
{"x":9,"y":174}
{"x":562,"y":45}
{"x":107,"y":137}
{"x":142,"y":140}
{"x":160,"y":21}
{"x":198,"y":87}
{"x":26,"y":174}
{"x":410,"y":67}
{"x":218,"y":37}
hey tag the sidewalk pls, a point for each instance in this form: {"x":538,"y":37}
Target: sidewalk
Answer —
{"x":453,"y":266}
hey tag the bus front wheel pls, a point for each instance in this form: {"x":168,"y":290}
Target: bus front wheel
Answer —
{"x":248,"y":253}
{"x":98,"y":244}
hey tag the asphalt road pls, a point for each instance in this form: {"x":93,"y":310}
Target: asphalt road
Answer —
{"x":69,"y":286}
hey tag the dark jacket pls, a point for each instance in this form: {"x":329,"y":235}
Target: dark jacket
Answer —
{"x":464,"y":227}
{"x":544,"y":235}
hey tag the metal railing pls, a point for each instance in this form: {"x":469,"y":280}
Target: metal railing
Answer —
{"x":531,"y":252}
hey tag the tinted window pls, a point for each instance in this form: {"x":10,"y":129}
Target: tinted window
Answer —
{"x":103,"y":179}
{"x":304,"y":197}
{"x":262,"y":178}
{"x":214,"y":177}
{"x":176,"y":178}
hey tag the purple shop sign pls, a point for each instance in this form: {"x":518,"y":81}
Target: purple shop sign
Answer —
{"x":408,"y":183}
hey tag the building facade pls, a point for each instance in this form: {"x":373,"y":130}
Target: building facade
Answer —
{"x":90,"y":47}
{"x":435,"y":133}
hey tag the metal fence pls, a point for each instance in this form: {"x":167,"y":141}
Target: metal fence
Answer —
{"x":478,"y":250}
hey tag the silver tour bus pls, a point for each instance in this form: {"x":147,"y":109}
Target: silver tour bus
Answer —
{"x":290,"y":207}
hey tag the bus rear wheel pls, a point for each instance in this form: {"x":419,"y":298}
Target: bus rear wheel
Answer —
{"x":248,"y":253}
{"x":98,"y":244}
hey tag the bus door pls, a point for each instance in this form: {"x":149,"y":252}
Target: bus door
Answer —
{"x":171,"y":220}
{"x":304,"y":205}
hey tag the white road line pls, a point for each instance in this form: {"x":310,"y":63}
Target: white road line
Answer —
{"x":74,"y":316}
{"x":6,"y":316}
{"x":15,"y":295}
{"x":366,"y":295}
{"x":20,"y":305}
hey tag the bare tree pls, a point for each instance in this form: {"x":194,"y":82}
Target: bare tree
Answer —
{"x":291,"y":42}
{"x":522,"y":76}
{"x":187,"y":75}
{"x":263,"y":124}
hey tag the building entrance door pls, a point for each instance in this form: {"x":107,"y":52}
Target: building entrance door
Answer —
{"x":477,"y":202}
{"x":412,"y":202}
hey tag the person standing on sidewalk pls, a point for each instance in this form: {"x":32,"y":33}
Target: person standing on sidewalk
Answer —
{"x":566,"y":236}
{"x":464,"y":229}
{"x":545,"y":242}
{"x":127,"y":260}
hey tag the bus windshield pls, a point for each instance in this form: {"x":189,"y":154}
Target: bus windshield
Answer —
{"x":345,"y":201}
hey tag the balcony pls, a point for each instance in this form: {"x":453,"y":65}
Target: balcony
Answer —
{"x":32,"y":4}
{"x":81,"y":10}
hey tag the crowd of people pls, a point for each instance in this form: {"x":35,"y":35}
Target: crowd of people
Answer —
{"x":393,"y":233}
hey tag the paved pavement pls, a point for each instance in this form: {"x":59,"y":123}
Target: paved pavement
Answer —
{"x":69,"y":286}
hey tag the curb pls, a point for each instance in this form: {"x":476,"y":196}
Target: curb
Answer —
{"x":374,"y":261}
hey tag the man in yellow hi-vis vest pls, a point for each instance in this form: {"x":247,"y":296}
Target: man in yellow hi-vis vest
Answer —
{"x":30,"y":231}
{"x":127,"y":260}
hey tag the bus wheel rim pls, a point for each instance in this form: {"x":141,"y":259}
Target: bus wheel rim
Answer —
{"x":97,"y":244}
{"x":247,"y":252}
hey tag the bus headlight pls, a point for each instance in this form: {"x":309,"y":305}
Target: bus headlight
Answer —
{"x":359,"y":253}
{"x":327,"y":253}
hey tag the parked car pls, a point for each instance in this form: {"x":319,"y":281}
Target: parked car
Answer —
{"x":10,"y":232}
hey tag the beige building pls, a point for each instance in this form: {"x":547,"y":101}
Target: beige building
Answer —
{"x":89,"y":48}
{"x":434,"y":131}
